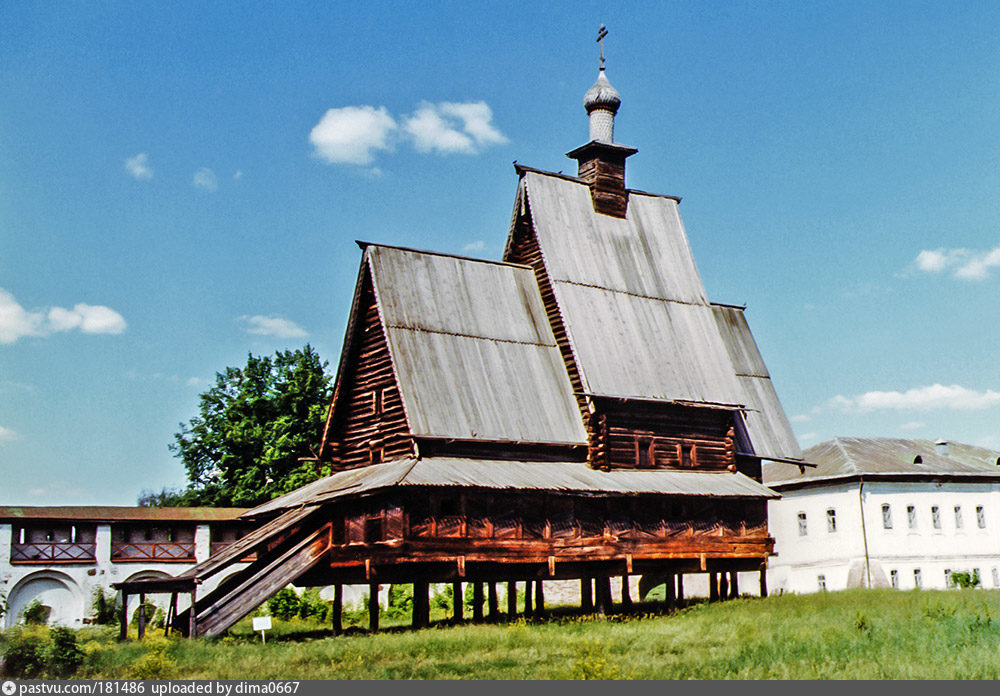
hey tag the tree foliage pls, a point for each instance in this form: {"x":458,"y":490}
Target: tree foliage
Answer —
{"x":252,"y":429}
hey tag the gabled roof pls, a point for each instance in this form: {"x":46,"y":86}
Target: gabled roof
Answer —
{"x":569,"y":477}
{"x":635,"y":310}
{"x":637,"y":318}
{"x":766,"y":422}
{"x":881,"y":457}
{"x":472,"y":350}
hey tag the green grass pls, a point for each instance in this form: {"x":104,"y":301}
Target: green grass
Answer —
{"x":858,"y":634}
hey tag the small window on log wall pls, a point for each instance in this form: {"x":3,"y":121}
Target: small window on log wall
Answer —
{"x":375,"y":452}
{"x":373,"y":529}
{"x":377,"y":398}
{"x":645,"y":454}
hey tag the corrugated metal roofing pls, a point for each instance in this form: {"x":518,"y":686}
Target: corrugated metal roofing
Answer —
{"x":768,"y":426}
{"x":847,"y":457}
{"x":570,"y":477}
{"x":634,"y":305}
{"x":473,"y":351}
{"x":98,"y":513}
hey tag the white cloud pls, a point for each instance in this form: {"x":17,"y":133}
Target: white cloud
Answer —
{"x":936,"y":396}
{"x":964,"y":264}
{"x":807,"y":437}
{"x":474,"y":247}
{"x":238,"y":174}
{"x":138,"y":166}
{"x":452,"y":127}
{"x":350,"y":134}
{"x":913,"y":425}
{"x":801,"y":418}
{"x":17,"y":322}
{"x":353,"y":134}
{"x":273,"y":326}
{"x":6,"y":434}
{"x":205,"y":179}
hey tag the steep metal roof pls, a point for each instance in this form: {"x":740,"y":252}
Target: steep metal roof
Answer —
{"x":473,"y":352}
{"x":569,"y":477}
{"x":872,"y":457}
{"x":768,"y":426}
{"x":107,"y":513}
{"x":634,"y":306}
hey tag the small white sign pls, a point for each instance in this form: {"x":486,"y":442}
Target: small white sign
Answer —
{"x":262,"y":623}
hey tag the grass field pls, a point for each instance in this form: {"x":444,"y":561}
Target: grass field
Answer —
{"x":858,"y":634}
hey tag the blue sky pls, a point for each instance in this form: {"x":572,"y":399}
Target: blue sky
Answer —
{"x":182,"y":183}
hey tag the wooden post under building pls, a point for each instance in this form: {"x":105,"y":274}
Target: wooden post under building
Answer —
{"x":337,"y":610}
{"x":373,"y":607}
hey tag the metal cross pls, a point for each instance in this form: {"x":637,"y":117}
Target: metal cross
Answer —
{"x":601,"y":33}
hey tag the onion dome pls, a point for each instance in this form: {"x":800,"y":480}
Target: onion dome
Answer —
{"x":602,"y":95}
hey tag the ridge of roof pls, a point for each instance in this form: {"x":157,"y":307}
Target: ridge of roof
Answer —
{"x":459,"y":257}
{"x":521,"y":169}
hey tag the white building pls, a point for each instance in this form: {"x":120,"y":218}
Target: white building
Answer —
{"x":881,"y":512}
{"x":60,"y":555}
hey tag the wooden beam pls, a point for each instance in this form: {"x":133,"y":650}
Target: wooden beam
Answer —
{"x":669,"y":591}
{"x":123,"y":618}
{"x":539,"y":599}
{"x":602,"y":588}
{"x":373,"y":607}
{"x":713,"y":587}
{"x":494,"y":601}
{"x":626,"y":595}
{"x":763,"y":582}
{"x":193,"y":614}
{"x":680,"y":587}
{"x":337,"y":610}
{"x":477,"y":602}
{"x":724,"y":585}
{"x":529,"y":611}
{"x":734,"y":584}
{"x":457,"y":602}
{"x":587,"y":595}
{"x":421,"y":604}
{"x":141,"y":619}
{"x":511,"y":600}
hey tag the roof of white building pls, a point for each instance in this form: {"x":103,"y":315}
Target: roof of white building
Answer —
{"x":883,"y":457}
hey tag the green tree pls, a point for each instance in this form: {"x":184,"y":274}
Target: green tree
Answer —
{"x":253,"y":428}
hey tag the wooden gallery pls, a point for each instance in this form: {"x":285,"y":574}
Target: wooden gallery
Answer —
{"x":578,"y":410}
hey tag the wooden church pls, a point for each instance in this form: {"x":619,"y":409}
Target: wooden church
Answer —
{"x":578,"y":410}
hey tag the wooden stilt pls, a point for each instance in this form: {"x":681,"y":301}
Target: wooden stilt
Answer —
{"x":494,"y":603}
{"x":734,"y":584}
{"x":724,"y":585}
{"x":477,"y":602}
{"x":528,"y":609}
{"x":193,"y":614}
{"x":123,"y":618}
{"x":457,"y":602}
{"x":539,"y":599}
{"x":421,"y":604}
{"x":680,"y":588}
{"x":586,"y":595}
{"x":511,"y":600}
{"x":141,"y":619}
{"x":669,"y":591}
{"x":763,"y":582}
{"x":713,"y":587}
{"x":626,"y":595}
{"x":171,"y":614}
{"x":337,"y":611}
{"x":373,"y":607}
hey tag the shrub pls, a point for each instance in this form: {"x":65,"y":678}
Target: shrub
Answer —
{"x":400,"y":601}
{"x":443,"y":598}
{"x":284,"y":604}
{"x":965,"y":579}
{"x":64,"y":655}
{"x":154,"y":616}
{"x":311,"y":605}
{"x":36,"y":613}
{"x":103,"y":606}
{"x":153,"y":664}
{"x":24,"y":656}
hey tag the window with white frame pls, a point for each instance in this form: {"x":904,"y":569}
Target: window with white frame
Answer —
{"x":803,"y":528}
{"x":886,"y":517}
{"x":947,"y":577}
{"x":911,"y":516}
{"x":894,"y":579}
{"x":936,"y":516}
{"x":958,"y":517}
{"x":821,"y":581}
{"x":917,"y":580}
{"x":996,"y":577}
{"x":980,"y":517}
{"x":831,"y":520}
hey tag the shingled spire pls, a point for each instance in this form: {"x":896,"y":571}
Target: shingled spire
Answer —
{"x":602,"y":161}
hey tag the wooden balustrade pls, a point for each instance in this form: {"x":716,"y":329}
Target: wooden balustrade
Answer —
{"x":53,"y":552}
{"x":126,"y":551}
